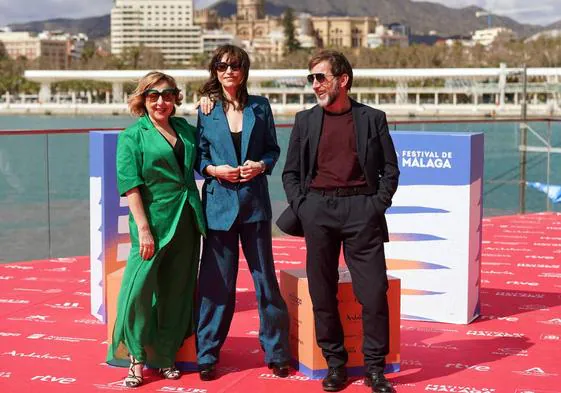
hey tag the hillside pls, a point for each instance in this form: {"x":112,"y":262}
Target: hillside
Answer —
{"x":423,"y":17}
{"x":94,"y":27}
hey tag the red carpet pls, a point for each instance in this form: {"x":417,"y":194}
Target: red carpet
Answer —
{"x":49,"y":342}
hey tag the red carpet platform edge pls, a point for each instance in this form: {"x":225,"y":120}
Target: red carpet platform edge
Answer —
{"x":50,"y":343}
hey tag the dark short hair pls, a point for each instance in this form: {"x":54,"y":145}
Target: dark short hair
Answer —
{"x":339,"y":64}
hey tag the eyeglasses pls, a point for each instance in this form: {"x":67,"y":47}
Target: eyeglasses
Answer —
{"x":168,"y":94}
{"x":222,"y":66}
{"x":319,"y":76}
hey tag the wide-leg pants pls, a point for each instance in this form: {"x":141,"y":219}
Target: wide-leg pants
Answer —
{"x":217,"y":291}
{"x":155,"y":310}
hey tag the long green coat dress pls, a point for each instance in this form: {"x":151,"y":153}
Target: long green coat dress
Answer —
{"x":156,"y":300}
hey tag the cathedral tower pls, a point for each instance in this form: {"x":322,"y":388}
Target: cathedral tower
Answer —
{"x":251,"y":9}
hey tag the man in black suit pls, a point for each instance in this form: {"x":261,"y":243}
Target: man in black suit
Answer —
{"x":340,"y":175}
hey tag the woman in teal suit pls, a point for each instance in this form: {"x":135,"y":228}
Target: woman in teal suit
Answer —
{"x":237,"y":150}
{"x":155,"y":160}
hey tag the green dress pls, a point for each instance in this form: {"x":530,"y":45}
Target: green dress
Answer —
{"x":156,"y":302}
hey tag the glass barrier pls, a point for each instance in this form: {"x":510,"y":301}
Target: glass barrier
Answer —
{"x":24,"y":198}
{"x":44,"y":181}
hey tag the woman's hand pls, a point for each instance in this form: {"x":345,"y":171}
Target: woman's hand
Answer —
{"x":146,"y":242}
{"x":250,"y":169}
{"x":206,"y":104}
{"x":224,"y":172}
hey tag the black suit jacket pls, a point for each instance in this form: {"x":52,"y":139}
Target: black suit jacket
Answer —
{"x":376,"y":155}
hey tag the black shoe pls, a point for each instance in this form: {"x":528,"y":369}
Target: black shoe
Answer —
{"x":281,"y":370}
{"x":335,"y":380}
{"x":207,"y":372}
{"x":377,"y":380}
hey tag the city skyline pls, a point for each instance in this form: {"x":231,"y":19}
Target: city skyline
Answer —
{"x":539,"y":12}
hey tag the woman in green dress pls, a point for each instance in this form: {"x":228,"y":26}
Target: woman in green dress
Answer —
{"x":155,"y":158}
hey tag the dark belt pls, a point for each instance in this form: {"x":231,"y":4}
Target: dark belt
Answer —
{"x":344,"y":191}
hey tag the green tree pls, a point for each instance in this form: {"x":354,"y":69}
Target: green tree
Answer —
{"x":291,"y":44}
{"x":141,"y":57}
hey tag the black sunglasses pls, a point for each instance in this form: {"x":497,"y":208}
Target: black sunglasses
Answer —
{"x":168,"y":94}
{"x":319,"y":76}
{"x":222,"y":66}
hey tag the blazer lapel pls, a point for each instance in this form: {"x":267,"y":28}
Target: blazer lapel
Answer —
{"x":314,"y":130}
{"x":247,"y":129}
{"x":223,"y":132}
{"x":361,"y":130}
{"x":188,"y":143}
{"x":160,"y":140}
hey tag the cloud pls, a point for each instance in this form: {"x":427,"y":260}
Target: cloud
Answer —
{"x":31,"y":10}
{"x":538,"y":12}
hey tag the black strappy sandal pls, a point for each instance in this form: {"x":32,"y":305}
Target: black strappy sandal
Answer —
{"x":170,"y":372}
{"x":132,"y":380}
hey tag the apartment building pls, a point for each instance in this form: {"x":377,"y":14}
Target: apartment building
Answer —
{"x":486,"y":37}
{"x":166,"y":25}
{"x":52,"y":53}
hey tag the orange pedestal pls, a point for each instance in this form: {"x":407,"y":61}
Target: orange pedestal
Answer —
{"x":306,"y":354}
{"x":186,"y":358}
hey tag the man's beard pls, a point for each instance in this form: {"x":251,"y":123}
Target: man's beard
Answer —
{"x":330,"y":98}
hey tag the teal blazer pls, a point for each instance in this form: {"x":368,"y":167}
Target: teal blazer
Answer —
{"x":223,"y":201}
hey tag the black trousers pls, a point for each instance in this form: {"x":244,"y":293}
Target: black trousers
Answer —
{"x":354,"y":223}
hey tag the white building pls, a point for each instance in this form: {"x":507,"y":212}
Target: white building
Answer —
{"x":76,"y":41}
{"x":547,"y":34}
{"x":215,"y":38}
{"x":486,"y":37}
{"x":385,"y":36}
{"x":166,"y":25}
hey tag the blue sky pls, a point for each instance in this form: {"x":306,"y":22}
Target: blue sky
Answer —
{"x":537,"y":11}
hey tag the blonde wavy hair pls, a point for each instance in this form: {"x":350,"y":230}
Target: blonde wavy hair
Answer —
{"x":137,"y":100}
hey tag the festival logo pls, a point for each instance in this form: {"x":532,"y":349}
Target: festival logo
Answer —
{"x":549,"y":337}
{"x":63,"y":260}
{"x":53,"y":379}
{"x":18,"y":267}
{"x":34,"y":318}
{"x":457,"y":388}
{"x":533,"y":307}
{"x":554,"y":321}
{"x":48,"y":291}
{"x":535,"y":372}
{"x":13,"y":301}
{"x":181,"y":389}
{"x":289,"y":378}
{"x":486,"y":333}
{"x":430,"y":346}
{"x":498,"y":318}
{"x":40,"y":336}
{"x":532,"y":295}
{"x":9,"y":334}
{"x":511,"y":352}
{"x":65,"y":306}
{"x":57,"y":269}
{"x":475,"y":367}
{"x":89,"y":321}
{"x":45,"y":356}
{"x":523,"y":283}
